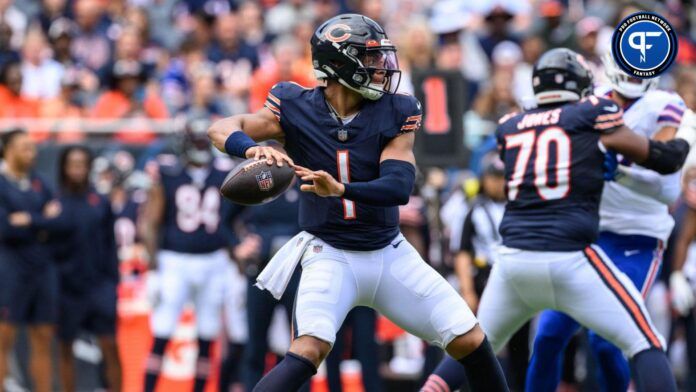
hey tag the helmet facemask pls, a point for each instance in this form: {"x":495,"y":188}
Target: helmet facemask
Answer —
{"x":624,"y":84}
{"x":370,"y":71}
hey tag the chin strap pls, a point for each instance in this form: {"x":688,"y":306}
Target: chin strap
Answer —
{"x":366,"y":93}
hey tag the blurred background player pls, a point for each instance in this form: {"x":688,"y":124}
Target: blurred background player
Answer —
{"x":682,"y":254}
{"x":29,"y":218}
{"x":185,"y":210}
{"x":88,"y":268}
{"x":634,"y":225}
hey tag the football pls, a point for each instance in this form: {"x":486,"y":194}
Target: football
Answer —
{"x":255,"y":182}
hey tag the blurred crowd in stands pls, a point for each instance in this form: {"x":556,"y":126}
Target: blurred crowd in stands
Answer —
{"x":159,"y":59}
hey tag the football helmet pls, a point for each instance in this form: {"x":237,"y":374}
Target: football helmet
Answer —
{"x":110,"y":170}
{"x":195,"y":144}
{"x":354,"y":50}
{"x":561,"y":75}
{"x":624,"y":84}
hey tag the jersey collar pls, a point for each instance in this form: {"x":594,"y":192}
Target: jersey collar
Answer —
{"x":326,"y":117}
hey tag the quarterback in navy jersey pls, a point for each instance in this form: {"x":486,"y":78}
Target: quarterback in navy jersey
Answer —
{"x":186,"y":227}
{"x":554,"y":162}
{"x":351,"y":142}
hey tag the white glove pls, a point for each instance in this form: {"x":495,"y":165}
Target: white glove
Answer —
{"x":687,"y":128}
{"x":681,"y":292}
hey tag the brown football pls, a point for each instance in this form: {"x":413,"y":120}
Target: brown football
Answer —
{"x":255,"y":182}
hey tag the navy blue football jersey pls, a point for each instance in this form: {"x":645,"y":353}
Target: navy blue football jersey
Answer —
{"x":126,"y":219}
{"x":351,"y":152}
{"x":554,"y":173}
{"x":196,"y":219}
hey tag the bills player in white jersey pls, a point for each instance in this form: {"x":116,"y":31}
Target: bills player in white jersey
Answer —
{"x":634,"y":226}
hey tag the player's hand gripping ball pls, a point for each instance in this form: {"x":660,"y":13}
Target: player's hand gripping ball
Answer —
{"x":255,"y":182}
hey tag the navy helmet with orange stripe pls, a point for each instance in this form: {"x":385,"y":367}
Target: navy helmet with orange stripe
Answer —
{"x":561,"y":75}
{"x":355,"y":51}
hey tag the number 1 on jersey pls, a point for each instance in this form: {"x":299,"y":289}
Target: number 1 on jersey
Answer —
{"x":343,"y":163}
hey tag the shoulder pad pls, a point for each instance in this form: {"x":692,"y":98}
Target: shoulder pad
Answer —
{"x":662,"y":97}
{"x":602,"y":114}
{"x":408,"y":111}
{"x":287,"y":90}
{"x":406,"y":104}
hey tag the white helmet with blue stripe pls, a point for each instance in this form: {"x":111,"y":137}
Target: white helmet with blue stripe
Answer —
{"x":624,"y":84}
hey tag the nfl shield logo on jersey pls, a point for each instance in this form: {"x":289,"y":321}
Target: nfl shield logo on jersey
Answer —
{"x":342,"y":135}
{"x":265,"y":180}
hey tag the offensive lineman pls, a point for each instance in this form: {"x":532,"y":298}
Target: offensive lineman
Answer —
{"x":354,"y":140}
{"x":634,"y":226}
{"x":191,"y":257}
{"x":554,"y":162}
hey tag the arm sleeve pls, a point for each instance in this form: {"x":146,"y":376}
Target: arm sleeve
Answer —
{"x":393,"y":187}
{"x":468,"y":233}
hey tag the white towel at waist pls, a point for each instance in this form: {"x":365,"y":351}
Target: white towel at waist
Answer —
{"x":276,"y":276}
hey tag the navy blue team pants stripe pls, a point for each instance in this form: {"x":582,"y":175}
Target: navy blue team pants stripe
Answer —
{"x":624,"y":297}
